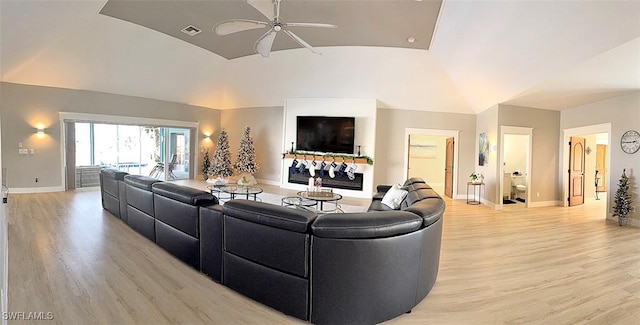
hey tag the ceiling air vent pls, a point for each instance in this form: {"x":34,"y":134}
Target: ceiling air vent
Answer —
{"x":191,"y":30}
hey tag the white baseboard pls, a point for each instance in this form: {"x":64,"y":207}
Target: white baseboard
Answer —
{"x":23,"y":190}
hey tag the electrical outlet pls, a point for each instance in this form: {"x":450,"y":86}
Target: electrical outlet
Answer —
{"x":23,"y":151}
{"x":537,"y":194}
{"x":633,"y":209}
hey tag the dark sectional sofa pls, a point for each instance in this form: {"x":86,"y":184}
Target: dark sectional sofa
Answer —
{"x":336,"y":268}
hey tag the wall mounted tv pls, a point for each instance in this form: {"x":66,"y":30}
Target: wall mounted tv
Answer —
{"x":325,"y":134}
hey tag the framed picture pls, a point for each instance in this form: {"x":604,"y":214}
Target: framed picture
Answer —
{"x":483,"y":150}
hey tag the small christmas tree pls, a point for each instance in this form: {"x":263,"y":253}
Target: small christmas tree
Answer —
{"x":622,"y":200}
{"x":246,"y":162}
{"x":206,"y":163}
{"x":221,"y":165}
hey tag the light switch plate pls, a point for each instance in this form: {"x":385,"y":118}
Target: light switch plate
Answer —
{"x":23,"y":151}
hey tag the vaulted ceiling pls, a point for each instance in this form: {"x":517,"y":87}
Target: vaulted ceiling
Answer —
{"x":545,"y":54}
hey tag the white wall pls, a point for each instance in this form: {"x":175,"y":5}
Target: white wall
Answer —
{"x":364,"y":111}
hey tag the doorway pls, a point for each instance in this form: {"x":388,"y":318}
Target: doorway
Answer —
{"x":595,"y":143}
{"x":432,"y":155}
{"x":515,"y":166}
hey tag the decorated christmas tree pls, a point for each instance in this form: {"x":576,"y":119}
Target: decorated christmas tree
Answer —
{"x":246,"y":162}
{"x":622,"y":200}
{"x":206,"y":163}
{"x":221,"y":164}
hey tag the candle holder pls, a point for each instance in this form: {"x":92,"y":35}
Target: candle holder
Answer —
{"x":359,"y":151}
{"x":292,"y":150}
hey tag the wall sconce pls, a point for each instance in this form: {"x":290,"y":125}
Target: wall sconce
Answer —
{"x":40,"y":130}
{"x":207,"y":137}
{"x":588,"y":150}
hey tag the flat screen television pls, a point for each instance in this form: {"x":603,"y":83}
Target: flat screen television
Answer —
{"x":325,"y":134}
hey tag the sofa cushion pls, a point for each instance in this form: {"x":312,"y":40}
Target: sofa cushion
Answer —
{"x":430,"y":210}
{"x":270,"y":215}
{"x":418,"y":195}
{"x":375,"y":224}
{"x":141,"y":182}
{"x":184,"y":194}
{"x":394,"y":197}
{"x":413,"y":180}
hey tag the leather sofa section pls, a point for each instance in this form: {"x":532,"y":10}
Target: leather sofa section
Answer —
{"x":211,"y":230}
{"x":110,"y":180}
{"x":140,"y":212}
{"x":430,"y":210}
{"x":182,"y":216}
{"x":421,"y":194}
{"x":276,"y":248}
{"x":141,"y":222}
{"x":139,"y":193}
{"x":413,"y":180}
{"x":430,"y":257}
{"x":363,"y":281}
{"x":374,"y":224}
{"x":270,"y":215}
{"x":184,"y":194}
{"x":284,"y":292}
{"x":181,"y":245}
{"x":122,"y":189}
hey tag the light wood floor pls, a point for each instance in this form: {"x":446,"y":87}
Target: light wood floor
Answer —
{"x":549,"y":265}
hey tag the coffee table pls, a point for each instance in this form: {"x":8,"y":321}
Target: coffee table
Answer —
{"x":320,"y":200}
{"x":298,"y":202}
{"x":236,"y":190}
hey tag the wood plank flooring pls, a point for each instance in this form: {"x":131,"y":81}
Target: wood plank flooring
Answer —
{"x":549,"y":265}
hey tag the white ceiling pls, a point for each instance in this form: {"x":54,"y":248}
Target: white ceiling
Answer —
{"x":546,"y":54}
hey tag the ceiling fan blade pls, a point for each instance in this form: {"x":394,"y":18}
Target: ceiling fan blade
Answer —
{"x":300,"y":41}
{"x":263,"y":44}
{"x":321,"y":25}
{"x":237,"y":25}
{"x":266,"y":7}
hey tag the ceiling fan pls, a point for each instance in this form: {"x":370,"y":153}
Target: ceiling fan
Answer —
{"x":271,"y":10}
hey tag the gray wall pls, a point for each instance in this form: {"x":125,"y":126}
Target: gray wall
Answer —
{"x":390,"y":142}
{"x":267,"y":131}
{"x":23,"y":107}
{"x":623,"y":113}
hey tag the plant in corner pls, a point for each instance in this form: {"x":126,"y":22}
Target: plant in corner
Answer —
{"x":622,"y":200}
{"x":221,"y":166}
{"x":246,"y":163}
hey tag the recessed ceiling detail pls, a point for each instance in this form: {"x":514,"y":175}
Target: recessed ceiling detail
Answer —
{"x":360,"y":23}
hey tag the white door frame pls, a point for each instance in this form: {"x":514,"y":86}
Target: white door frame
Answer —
{"x":564,"y":151}
{"x":515,"y":130}
{"x":455,"y":134}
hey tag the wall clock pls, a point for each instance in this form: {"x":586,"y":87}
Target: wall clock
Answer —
{"x":630,"y":141}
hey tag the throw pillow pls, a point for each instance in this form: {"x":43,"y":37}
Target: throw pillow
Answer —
{"x":394,"y":197}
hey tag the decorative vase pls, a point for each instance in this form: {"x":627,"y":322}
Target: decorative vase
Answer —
{"x":623,"y":221}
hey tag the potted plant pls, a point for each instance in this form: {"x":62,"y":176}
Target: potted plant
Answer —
{"x":622,"y":200}
{"x":476,"y":177}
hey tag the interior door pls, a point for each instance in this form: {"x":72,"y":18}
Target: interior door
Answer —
{"x":601,"y":167}
{"x":576,"y":171}
{"x":448,"y":169}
